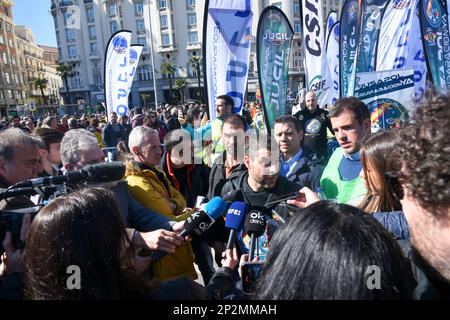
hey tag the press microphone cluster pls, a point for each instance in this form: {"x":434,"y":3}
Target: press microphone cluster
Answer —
{"x":96,"y":173}
{"x":199,"y":222}
{"x":235,"y":220}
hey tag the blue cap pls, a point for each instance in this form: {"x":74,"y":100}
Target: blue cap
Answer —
{"x":236,"y":215}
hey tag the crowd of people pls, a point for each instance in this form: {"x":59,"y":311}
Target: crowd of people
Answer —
{"x":357,"y":202}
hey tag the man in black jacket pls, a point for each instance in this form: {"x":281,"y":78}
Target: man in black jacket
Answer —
{"x":298,"y":163}
{"x":262,"y":183}
{"x":314,"y":122}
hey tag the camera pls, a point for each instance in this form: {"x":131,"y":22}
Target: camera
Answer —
{"x":12,"y":221}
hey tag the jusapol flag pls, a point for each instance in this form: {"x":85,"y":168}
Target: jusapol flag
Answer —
{"x":116,"y":72}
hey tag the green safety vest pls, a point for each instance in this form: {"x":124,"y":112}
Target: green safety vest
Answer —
{"x":349,"y":192}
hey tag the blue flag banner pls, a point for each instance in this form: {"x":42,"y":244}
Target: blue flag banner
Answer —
{"x":226,"y":45}
{"x":117,"y":70}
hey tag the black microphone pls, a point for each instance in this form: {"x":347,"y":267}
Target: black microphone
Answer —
{"x":235,"y":220}
{"x":102,"y":172}
{"x":255,"y":225}
{"x":198,"y":223}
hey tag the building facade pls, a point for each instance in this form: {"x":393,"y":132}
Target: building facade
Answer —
{"x":13,"y":88}
{"x":83,"y":28}
{"x":50,"y":56}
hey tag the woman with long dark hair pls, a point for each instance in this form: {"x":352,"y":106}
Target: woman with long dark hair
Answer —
{"x":151,"y":121}
{"x":379,"y":155}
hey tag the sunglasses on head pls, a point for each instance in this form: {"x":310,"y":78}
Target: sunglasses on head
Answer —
{"x":393,"y":177}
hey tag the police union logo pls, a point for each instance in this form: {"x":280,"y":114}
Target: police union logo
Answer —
{"x":313,"y":126}
{"x":430,"y":37}
{"x":432,"y":12}
{"x":353,"y":10}
{"x":120,"y":44}
{"x":401,"y":4}
{"x":387,"y":114}
{"x":133,"y":56}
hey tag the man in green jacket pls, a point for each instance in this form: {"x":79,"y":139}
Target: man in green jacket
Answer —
{"x":340,"y":180}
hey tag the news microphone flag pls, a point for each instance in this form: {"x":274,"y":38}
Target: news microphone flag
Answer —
{"x":235,"y":220}
{"x":227,"y":38}
{"x":117,"y":58}
{"x":199,"y":222}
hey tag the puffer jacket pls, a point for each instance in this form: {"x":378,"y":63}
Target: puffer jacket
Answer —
{"x":155,"y":194}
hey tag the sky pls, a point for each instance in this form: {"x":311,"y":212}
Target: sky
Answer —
{"x":35,"y":14}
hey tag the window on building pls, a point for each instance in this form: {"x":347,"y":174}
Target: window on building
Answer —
{"x":296,"y":8}
{"x":140,"y":26}
{"x":190,"y":3}
{"x":13,"y":60}
{"x":7,"y":78}
{"x":58,"y":43}
{"x":70,"y":35}
{"x":1,"y":25}
{"x":1,"y":94}
{"x":11,"y":43}
{"x":277,"y":4}
{"x":162,"y":4}
{"x":9,"y":94}
{"x":72,"y":50}
{"x":67,"y":16}
{"x":192,"y":19}
{"x":55,"y":22}
{"x":144,"y":73}
{"x":92,"y":32}
{"x":112,"y":9}
{"x":114,"y":26}
{"x":94,"y":48}
{"x":165,"y":39}
{"x":297,"y":27}
{"x":2,"y":41}
{"x":97,"y":77}
{"x":193,"y":37}
{"x":163,"y":21}
{"x":90,"y":14}
{"x":4,"y":57}
{"x":139,"y":8}
{"x":142,"y":41}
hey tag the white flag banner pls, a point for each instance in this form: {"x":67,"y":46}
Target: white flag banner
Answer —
{"x":389,"y":95}
{"x":333,"y":60}
{"x":395,"y":35}
{"x":331,"y":20}
{"x":135,"y":55}
{"x":228,"y":35}
{"x":117,"y":71}
{"x":317,"y":72}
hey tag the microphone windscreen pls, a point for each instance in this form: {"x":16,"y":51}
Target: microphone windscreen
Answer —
{"x":236,"y":215}
{"x":215,"y":207}
{"x":255,"y":223}
{"x":105,"y":172}
{"x":198,"y":223}
{"x":233,"y":195}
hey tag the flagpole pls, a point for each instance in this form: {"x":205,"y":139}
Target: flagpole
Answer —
{"x":152,"y":56}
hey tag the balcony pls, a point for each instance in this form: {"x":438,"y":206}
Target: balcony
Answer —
{"x":193,"y":46}
{"x":68,"y":3}
{"x":167,"y":49}
{"x":94,"y":56}
{"x":74,"y":59}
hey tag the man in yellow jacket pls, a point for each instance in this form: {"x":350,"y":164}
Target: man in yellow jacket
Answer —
{"x":153,"y":190}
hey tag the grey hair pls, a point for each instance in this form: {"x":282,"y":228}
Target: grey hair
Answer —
{"x":137,"y":136}
{"x":11,"y":138}
{"x":74,"y":141}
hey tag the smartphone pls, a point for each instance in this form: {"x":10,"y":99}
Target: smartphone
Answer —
{"x":250,"y":274}
{"x":283,"y":198}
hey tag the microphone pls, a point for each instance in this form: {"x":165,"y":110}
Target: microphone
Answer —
{"x":102,"y":172}
{"x":235,"y":220}
{"x":255,"y":225}
{"x":198,"y":223}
